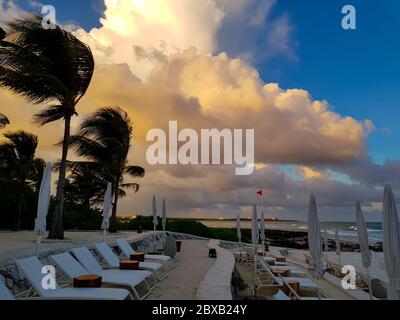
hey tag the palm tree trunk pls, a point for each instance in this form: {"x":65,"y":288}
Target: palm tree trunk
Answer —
{"x":113,"y":220}
{"x":19,"y":211}
{"x":57,"y":229}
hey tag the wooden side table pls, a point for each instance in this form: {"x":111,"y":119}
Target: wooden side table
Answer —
{"x":282,"y":273}
{"x":88,"y":281}
{"x":129,"y":265}
{"x":137,"y":256}
{"x":280,"y":259}
{"x":293,"y":284}
{"x":178,"y":245}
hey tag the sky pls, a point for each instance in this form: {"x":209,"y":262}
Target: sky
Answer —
{"x":324,"y":101}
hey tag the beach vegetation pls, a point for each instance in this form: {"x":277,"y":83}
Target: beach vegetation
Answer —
{"x":51,"y":67}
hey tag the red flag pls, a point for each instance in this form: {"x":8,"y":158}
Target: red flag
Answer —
{"x":260,"y":193}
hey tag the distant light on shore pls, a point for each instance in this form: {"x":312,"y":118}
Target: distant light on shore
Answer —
{"x":129,"y":217}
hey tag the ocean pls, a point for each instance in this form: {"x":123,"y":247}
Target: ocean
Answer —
{"x":347,"y":230}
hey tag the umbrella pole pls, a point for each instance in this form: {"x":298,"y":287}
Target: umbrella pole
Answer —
{"x":155,"y":240}
{"x":39,"y":239}
{"x":371,"y":297}
{"x":104,"y":235}
{"x":263,"y":248}
{"x":165,"y":239}
{"x":255,"y":276}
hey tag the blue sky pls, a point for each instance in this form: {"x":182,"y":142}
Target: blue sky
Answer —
{"x":356,"y":71}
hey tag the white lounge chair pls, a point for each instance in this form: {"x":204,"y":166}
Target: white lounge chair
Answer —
{"x":72,"y":268}
{"x":127,"y":250}
{"x":130,"y":278}
{"x":32,"y":269}
{"x":113,"y":261}
{"x":5,"y":294}
{"x":305,"y":283}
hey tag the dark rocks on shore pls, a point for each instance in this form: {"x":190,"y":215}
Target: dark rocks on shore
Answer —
{"x":299,"y":240}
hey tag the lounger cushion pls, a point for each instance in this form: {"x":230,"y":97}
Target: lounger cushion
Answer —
{"x":128,"y":250}
{"x":90,"y":294}
{"x":280,"y":295}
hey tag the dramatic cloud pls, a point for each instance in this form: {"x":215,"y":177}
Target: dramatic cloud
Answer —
{"x":160,"y":60}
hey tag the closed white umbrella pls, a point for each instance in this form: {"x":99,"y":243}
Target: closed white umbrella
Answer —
{"x":107,"y":204}
{"x":238,"y":229}
{"x":314,"y":239}
{"x":254,"y":241}
{"x":164,"y":218}
{"x":338,"y":248}
{"x":239,"y":232}
{"x":155,"y":220}
{"x":364,"y":244}
{"x":43,"y":205}
{"x":391,"y":243}
{"x":326,"y":245}
{"x":262,"y":231}
{"x":164,"y":215}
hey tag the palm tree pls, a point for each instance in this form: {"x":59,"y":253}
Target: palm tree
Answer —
{"x":47,"y":66}
{"x":18,"y":165}
{"x":105,"y":138}
{"x":84,"y":184}
{"x":3,"y":121}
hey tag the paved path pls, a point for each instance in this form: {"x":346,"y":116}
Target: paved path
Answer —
{"x":182,"y":281}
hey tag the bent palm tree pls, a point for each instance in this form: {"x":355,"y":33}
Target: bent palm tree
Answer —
{"x":105,"y":138}
{"x":19,"y":165}
{"x":47,"y":66}
{"x":85,"y":184}
{"x":3,"y":121}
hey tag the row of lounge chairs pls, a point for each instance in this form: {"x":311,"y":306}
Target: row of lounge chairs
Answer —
{"x":266,"y":265}
{"x":82,"y":262}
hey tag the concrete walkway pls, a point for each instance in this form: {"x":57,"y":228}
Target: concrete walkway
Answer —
{"x":182,"y":282}
{"x":216,"y":284}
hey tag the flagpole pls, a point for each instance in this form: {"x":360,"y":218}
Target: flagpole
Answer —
{"x":263,"y":241}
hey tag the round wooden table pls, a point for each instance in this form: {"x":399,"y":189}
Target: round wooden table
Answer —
{"x":137,"y":256}
{"x":282,"y":273}
{"x":280,"y":259}
{"x":87,"y":281}
{"x":178,"y":245}
{"x":129,"y":265}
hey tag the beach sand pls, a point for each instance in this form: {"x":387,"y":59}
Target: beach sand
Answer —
{"x":14,"y":245}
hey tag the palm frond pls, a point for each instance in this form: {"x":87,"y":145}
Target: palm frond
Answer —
{"x":45,"y":65}
{"x":24,"y":143}
{"x":50,"y":114}
{"x":135,"y":171}
{"x":133,"y":186}
{"x":3,"y":121}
